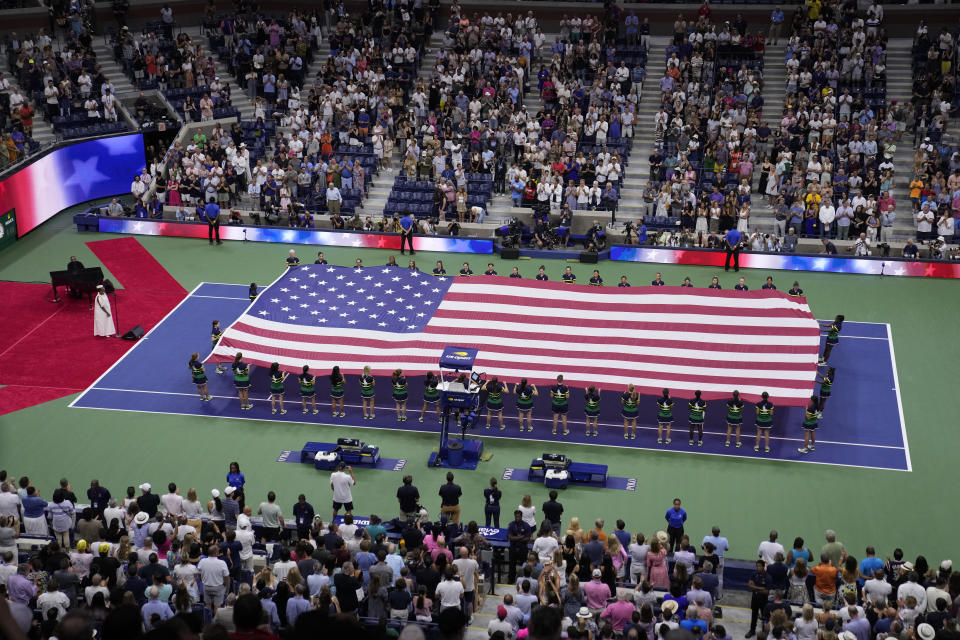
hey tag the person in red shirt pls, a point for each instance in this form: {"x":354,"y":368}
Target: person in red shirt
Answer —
{"x":247,"y":614}
{"x":26,"y":119}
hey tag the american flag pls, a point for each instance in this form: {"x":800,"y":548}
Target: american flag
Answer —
{"x":679,"y":338}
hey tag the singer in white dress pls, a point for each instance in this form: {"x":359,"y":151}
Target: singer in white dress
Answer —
{"x":102,"y":316}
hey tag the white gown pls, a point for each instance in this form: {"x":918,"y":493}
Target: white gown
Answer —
{"x":102,"y":316}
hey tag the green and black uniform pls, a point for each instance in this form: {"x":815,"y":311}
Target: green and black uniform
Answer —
{"x":764,"y":414}
{"x":628,"y":405}
{"x":430,"y":392}
{"x":196,"y":370}
{"x":525,"y":398}
{"x":559,"y":395}
{"x":811,"y":417}
{"x":308,"y":388}
{"x":495,"y":396}
{"x":698,"y":410}
{"x":366,"y":386}
{"x":336,"y":386}
{"x":825,"y":384}
{"x":400,"y":389}
{"x":833,"y":334}
{"x":276,"y":384}
{"x":591,"y":405}
{"x":734,"y":412}
{"x":665,"y":410}
{"x":241,"y":375}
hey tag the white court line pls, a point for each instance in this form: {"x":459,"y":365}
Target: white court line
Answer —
{"x":139,"y":342}
{"x":293,"y":402}
{"x":526,"y":440}
{"x":896,"y":386}
{"x":219,"y":297}
{"x":846,"y":337}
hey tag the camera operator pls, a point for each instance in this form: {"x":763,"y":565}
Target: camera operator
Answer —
{"x":565,"y":226}
{"x":540,"y":235}
{"x":596,"y":238}
{"x":862,"y":247}
{"x":629,"y":230}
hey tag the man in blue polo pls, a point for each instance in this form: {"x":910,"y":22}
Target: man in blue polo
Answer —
{"x":406,"y":231}
{"x":211,"y":212}
{"x":731,"y":242}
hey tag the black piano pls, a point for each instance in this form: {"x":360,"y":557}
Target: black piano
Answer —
{"x":78,"y":282}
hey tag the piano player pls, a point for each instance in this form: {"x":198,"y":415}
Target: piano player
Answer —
{"x":73,"y":267}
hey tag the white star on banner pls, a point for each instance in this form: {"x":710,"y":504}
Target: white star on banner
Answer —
{"x":284,"y":308}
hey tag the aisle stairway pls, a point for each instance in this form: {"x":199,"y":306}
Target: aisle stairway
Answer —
{"x":42,"y":130}
{"x":900,"y":88}
{"x":238,"y":93}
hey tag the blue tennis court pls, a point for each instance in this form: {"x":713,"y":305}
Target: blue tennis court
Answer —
{"x":862,"y":424}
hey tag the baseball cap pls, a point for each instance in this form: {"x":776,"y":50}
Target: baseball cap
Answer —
{"x":81,"y":545}
{"x":946,"y":565}
{"x":597,"y":573}
{"x":215,"y":493}
{"x":229,"y":491}
{"x":501,"y":612}
{"x":104,"y":548}
{"x":145,"y":486}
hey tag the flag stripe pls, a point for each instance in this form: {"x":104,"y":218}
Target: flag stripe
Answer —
{"x":568,"y":306}
{"x":458,"y":333}
{"x":653,"y":337}
{"x":510,"y":348}
{"x":492,"y":359}
{"x":665,"y":322}
{"x":749,"y":390}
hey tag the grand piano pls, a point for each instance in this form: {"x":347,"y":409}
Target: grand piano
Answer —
{"x":78,"y":281}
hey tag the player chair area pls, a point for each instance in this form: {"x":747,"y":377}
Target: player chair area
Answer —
{"x":861,"y":425}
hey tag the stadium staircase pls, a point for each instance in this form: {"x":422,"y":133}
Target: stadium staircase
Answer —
{"x":900,"y":88}
{"x":379,"y":192}
{"x":238,"y":90}
{"x":42,"y":130}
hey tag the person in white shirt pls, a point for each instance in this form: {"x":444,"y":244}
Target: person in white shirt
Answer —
{"x":283,"y":566}
{"x":877,"y":589}
{"x":246,"y":538}
{"x":137,"y":188}
{"x":770,"y":548}
{"x":828,"y":213}
{"x":172,"y":501}
{"x":340,"y":482}
{"x":53,"y":598}
{"x":925,"y":219}
{"x":545,"y":544}
{"x":450,"y":590}
{"x":911,"y":588}
{"x":215,"y":578}
{"x":468,"y":568}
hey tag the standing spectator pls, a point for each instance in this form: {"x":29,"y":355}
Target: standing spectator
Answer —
{"x":273,"y":525}
{"x":769,"y":548}
{"x":759,"y":585}
{"x":340,"y":482}
{"x":215,"y":577}
{"x":553,"y":512}
{"x":518,"y":535}
{"x":450,"y":499}
{"x":675,"y":518}
{"x":409,"y":498}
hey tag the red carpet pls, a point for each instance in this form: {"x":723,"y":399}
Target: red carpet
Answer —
{"x":49,"y":351}
{"x":133,"y":266}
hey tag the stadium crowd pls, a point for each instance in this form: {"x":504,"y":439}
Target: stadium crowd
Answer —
{"x":220,"y":565}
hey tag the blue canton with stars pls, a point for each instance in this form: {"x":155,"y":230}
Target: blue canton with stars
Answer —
{"x":391,"y":299}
